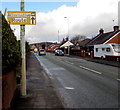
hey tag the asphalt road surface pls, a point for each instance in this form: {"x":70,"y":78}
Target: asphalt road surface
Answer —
{"x":81,"y":83}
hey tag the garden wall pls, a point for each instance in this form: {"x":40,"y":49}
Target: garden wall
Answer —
{"x":8,"y":89}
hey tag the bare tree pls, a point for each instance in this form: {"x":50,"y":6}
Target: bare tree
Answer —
{"x":77,"y":38}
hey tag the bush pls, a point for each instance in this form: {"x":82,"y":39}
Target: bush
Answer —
{"x":11,"y":56}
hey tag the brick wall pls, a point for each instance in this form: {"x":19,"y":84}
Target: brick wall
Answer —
{"x":8,"y":89}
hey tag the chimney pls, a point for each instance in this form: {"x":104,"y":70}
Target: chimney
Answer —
{"x":67,"y":39}
{"x":116,"y":28}
{"x":101,"y":31}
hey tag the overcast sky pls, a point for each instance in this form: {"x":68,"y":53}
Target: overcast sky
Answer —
{"x":85,"y":17}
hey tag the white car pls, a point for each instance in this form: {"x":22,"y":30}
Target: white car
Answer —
{"x":42,"y":52}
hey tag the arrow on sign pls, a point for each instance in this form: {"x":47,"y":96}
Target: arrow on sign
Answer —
{"x":33,"y":19}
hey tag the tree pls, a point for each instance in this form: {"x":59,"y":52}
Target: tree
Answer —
{"x":77,"y":38}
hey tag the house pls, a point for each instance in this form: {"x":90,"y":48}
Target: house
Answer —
{"x":42,"y":45}
{"x":66,"y":44}
{"x":104,"y":38}
{"x":79,"y":47}
{"x":82,"y":46}
{"x":66,"y":47}
{"x":53,"y":47}
{"x":32,"y":47}
{"x":83,"y":43}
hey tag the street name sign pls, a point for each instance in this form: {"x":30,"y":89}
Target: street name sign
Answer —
{"x":21,"y":17}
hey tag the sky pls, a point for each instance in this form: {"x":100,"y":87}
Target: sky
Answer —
{"x":80,"y":17}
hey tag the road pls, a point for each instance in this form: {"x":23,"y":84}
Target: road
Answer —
{"x":81,"y":83}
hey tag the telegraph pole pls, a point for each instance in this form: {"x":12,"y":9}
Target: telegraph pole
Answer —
{"x":23,"y":67}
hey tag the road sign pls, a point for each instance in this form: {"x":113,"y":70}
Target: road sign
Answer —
{"x":22,"y":17}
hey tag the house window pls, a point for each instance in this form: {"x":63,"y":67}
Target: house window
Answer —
{"x":107,"y":49}
{"x":96,"y":49}
{"x":103,"y":49}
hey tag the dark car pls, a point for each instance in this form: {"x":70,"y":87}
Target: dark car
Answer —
{"x":42,"y":52}
{"x":59,"y":52}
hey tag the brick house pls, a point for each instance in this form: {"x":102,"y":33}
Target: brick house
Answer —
{"x":103,"y":38}
{"x":42,"y":45}
{"x":82,"y":47}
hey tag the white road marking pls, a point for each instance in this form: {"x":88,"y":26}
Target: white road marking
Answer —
{"x":64,"y":85}
{"x":57,"y":68}
{"x":118,"y":79}
{"x":69,"y":62}
{"x":90,"y":70}
{"x":70,"y":88}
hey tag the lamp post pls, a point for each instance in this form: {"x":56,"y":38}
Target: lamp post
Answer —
{"x":68,"y":36}
{"x":119,"y":13}
{"x":58,"y":36}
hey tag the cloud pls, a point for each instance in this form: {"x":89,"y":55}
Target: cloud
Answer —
{"x":86,"y":18}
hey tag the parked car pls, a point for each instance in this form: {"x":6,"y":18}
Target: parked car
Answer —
{"x":42,"y":52}
{"x":59,"y":52}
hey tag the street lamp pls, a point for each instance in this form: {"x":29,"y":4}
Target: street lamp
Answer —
{"x":58,"y":36}
{"x":119,"y":13}
{"x":68,"y":36}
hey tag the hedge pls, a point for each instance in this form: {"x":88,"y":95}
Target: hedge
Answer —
{"x":11,"y":55}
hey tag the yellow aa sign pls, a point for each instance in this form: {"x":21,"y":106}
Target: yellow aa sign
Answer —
{"x":22,"y":17}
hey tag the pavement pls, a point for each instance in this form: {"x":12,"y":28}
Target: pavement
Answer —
{"x":41,"y":93}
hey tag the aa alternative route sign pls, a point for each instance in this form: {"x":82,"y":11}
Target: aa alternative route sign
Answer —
{"x":22,"y":17}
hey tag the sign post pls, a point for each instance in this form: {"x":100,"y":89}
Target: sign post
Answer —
{"x":23,"y":67}
{"x":22,"y":18}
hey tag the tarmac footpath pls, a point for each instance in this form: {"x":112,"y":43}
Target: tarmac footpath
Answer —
{"x":41,"y":94}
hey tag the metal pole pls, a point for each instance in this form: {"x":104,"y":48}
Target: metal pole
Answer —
{"x":23,"y":68}
{"x":68,"y":37}
{"x":58,"y":36}
{"x":119,"y":13}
